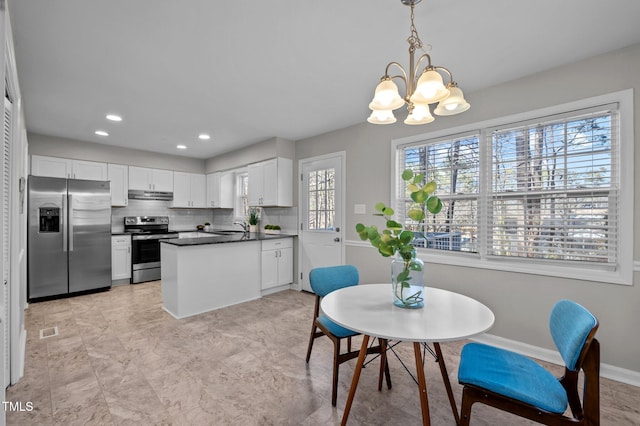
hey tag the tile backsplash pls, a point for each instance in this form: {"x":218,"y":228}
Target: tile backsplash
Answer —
{"x":187,"y":219}
{"x":179,"y":219}
{"x":286,"y":217}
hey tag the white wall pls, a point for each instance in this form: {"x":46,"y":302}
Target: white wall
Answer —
{"x":521,"y":302}
{"x":274,"y":147}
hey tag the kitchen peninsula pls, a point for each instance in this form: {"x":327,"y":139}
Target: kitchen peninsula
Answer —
{"x":207,"y":273}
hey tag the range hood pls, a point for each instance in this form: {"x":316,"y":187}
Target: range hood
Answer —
{"x":139,"y":194}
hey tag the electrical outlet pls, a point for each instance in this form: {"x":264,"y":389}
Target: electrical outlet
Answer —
{"x":359,"y":209}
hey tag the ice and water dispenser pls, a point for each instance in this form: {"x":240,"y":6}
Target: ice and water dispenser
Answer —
{"x":49,"y":219}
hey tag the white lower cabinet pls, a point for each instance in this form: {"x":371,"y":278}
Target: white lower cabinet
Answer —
{"x":120,"y":257}
{"x":277,"y":263}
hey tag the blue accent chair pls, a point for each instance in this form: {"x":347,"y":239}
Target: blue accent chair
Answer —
{"x":514,"y":383}
{"x":323,"y":281}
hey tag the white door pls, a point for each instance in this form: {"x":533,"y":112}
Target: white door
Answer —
{"x":5,"y":350}
{"x":321,"y":199}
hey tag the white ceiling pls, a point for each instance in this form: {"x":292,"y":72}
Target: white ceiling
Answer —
{"x":246,"y":71}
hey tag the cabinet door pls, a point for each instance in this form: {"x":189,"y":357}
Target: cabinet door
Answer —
{"x":118,"y":175}
{"x":50,"y":166}
{"x":198,"y":190}
{"x":90,"y":170}
{"x":120,"y":257}
{"x":227,"y":190}
{"x":255,"y":184}
{"x":139,"y":178}
{"x":285,"y":266}
{"x":270,"y":183}
{"x":181,"y":190}
{"x":213,"y":193}
{"x":162,"y":180}
{"x":269,"y":269}
{"x":284,"y":182}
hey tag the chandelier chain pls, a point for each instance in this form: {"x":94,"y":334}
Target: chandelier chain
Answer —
{"x":414,"y":38}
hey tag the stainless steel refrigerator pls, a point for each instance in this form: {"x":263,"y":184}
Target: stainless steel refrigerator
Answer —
{"x":69,"y":241}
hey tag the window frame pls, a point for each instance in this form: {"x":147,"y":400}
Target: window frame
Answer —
{"x":622,"y":273}
{"x":238,"y":205}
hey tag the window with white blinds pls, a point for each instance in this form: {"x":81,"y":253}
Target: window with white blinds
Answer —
{"x":552,"y":187}
{"x":454,"y":165}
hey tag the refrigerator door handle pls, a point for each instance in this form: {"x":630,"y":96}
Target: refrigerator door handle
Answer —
{"x":64,"y":223}
{"x":70,"y":223}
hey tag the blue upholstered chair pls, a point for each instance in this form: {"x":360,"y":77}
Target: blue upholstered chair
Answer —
{"x":323,"y":281}
{"x":514,"y":383}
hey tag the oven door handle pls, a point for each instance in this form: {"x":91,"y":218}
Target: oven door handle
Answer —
{"x":153,"y":237}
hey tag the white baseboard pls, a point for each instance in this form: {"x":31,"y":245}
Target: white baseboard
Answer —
{"x":607,"y":371}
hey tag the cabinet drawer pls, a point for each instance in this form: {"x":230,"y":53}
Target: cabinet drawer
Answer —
{"x":277,"y":244}
{"x":121,"y":241}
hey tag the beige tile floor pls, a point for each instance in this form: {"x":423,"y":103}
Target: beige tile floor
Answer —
{"x":120,"y":359}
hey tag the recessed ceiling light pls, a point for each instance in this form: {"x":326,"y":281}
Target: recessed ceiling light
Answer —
{"x":101,"y":133}
{"x":204,"y":136}
{"x":181,"y":146}
{"x":114,"y":117}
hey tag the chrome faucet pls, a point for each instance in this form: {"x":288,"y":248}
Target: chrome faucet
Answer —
{"x":244,"y":225}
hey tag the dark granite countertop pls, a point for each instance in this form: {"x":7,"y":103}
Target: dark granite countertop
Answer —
{"x":236,"y":237}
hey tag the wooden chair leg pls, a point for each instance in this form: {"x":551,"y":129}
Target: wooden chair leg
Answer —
{"x":311,"y":339}
{"x":465,"y":409}
{"x":336,"y":368}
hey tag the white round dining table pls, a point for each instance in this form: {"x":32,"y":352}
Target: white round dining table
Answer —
{"x":446,"y":316}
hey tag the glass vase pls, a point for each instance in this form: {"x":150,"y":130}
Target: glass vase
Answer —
{"x":407,"y":282}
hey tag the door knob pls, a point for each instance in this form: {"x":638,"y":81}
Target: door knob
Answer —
{"x":336,"y":239}
{"x":338,"y":229}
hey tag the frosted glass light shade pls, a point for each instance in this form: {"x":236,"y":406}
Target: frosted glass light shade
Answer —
{"x":420,"y":115}
{"x":454,"y":104}
{"x":430,"y":88}
{"x":386,"y":97}
{"x":382,"y":116}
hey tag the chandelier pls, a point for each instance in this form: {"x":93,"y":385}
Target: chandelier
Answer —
{"x":420,"y":92}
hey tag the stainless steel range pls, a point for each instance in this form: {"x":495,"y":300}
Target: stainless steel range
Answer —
{"x":146,"y":233}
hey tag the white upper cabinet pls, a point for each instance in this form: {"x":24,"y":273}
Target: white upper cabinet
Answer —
{"x":220,"y":190}
{"x":270,"y":183}
{"x":142,"y":178}
{"x":68,"y":168}
{"x":90,"y":170}
{"x":50,"y":166}
{"x":119,"y":178}
{"x":188,"y":190}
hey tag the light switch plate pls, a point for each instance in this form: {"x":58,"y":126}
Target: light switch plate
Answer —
{"x":359,"y":209}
